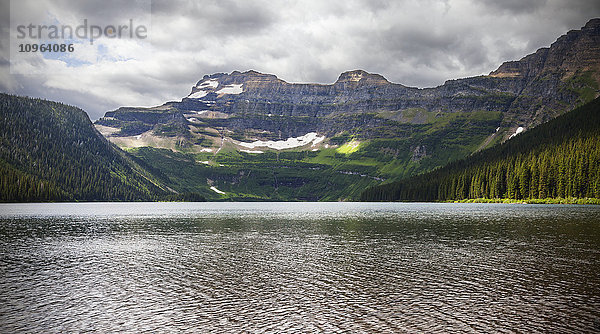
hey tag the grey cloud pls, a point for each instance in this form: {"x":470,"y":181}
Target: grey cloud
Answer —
{"x":105,"y":11}
{"x":222,"y":18}
{"x":378,"y":5}
{"x":513,"y":7}
{"x":416,"y":43}
{"x":430,"y":48}
{"x":30,"y":86}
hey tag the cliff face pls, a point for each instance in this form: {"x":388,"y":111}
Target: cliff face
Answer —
{"x":527,"y":92}
{"x":554,"y":79}
{"x":577,"y":50}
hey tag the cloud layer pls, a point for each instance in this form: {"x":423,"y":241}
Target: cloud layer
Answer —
{"x":416,"y":43}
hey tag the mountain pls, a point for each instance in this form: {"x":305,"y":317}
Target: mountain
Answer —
{"x":360,"y":125}
{"x":558,"y":159}
{"x":554,"y":79}
{"x":52,"y":152}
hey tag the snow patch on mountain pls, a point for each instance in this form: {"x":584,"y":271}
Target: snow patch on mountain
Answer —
{"x":519,"y":130}
{"x":356,"y":77}
{"x":231,"y":89}
{"x":317,"y":140}
{"x":212,"y":83}
{"x":213,"y":188}
{"x":309,"y":138}
{"x":198,"y":95}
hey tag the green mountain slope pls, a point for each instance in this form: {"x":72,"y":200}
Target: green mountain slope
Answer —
{"x":336,"y":171}
{"x":231,"y":175}
{"x":51,"y":152}
{"x":558,"y":159}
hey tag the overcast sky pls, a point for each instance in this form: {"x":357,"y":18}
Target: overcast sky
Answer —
{"x":418,"y":43}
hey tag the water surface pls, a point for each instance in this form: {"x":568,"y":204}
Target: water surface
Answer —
{"x":299,"y":267}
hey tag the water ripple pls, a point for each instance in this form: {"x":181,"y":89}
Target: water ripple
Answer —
{"x":334,"y":268}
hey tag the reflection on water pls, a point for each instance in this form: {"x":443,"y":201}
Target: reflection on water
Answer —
{"x":299,"y":267}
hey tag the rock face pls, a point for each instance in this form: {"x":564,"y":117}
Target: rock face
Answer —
{"x":527,"y":92}
{"x":554,"y":79}
{"x":332,"y":108}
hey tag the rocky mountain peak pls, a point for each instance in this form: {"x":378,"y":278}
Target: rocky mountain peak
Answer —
{"x":237,"y":77}
{"x":575,"y":50}
{"x":362,"y":77}
{"x":592,"y":24}
{"x":235,"y":82}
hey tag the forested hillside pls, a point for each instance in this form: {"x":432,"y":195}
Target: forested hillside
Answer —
{"x":51,"y":152}
{"x":558,"y":159}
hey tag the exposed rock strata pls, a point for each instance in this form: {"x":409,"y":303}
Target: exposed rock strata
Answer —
{"x":527,"y":92}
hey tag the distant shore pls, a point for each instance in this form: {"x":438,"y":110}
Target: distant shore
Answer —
{"x":595,"y":201}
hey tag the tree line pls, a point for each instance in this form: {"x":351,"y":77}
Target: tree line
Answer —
{"x":558,"y":159}
{"x":50,"y":151}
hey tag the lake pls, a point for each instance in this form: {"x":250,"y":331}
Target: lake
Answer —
{"x":299,"y":267}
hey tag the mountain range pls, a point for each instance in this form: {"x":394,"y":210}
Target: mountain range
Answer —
{"x":253,"y":105}
{"x":252,"y":136}
{"x":362,"y":124}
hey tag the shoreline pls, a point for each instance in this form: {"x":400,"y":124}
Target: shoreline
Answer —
{"x":580,"y":201}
